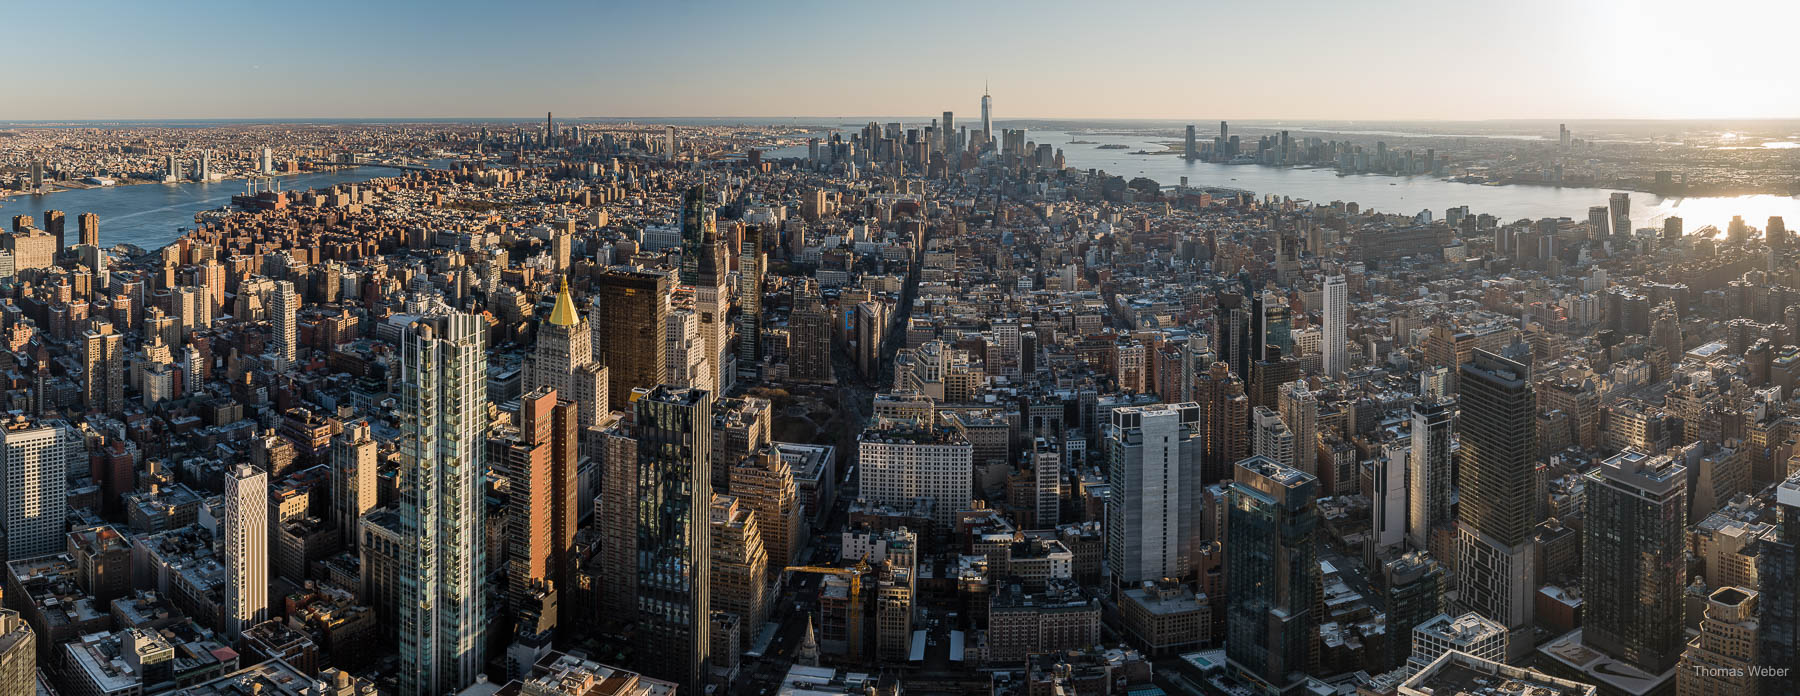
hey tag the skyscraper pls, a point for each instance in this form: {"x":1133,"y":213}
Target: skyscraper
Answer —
{"x":947,"y":131}
{"x":753,"y":264}
{"x":1633,"y":559}
{"x":1191,"y":150}
{"x":1778,"y":609}
{"x":1336,"y":354}
{"x":1723,"y":658}
{"x":18,"y":655}
{"x":987,"y":115}
{"x":1272,"y":568}
{"x":563,"y":359}
{"x":1153,"y":459}
{"x":740,"y":567}
{"x":809,"y":339}
{"x":1428,"y":496}
{"x":674,"y":434}
{"x":353,"y":478}
{"x":35,"y":486}
{"x":1300,"y":411}
{"x":1226,"y":409}
{"x":103,"y":364}
{"x":539,"y":465}
{"x":284,"y":303}
{"x":901,"y":461}
{"x":1620,"y":203}
{"x":1496,"y":513}
{"x":1270,"y":437}
{"x":443,"y":402}
{"x":630,"y":308}
{"x":764,"y":482}
{"x":56,"y":223}
{"x":87,"y":229}
{"x":246,"y":531}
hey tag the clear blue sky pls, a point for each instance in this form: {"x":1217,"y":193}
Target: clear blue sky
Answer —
{"x":1369,"y":59}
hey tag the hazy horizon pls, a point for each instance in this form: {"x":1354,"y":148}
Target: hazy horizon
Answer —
{"x":1393,"y":60}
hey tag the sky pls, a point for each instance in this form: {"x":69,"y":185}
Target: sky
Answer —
{"x":1176,"y":59}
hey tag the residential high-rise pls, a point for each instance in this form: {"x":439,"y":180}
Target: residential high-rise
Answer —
{"x":1300,"y":411}
{"x":740,"y":567}
{"x":1496,"y":512}
{"x":87,"y":229}
{"x":103,"y":364}
{"x":674,"y":599}
{"x":615,"y":514}
{"x":753,"y":264}
{"x":1336,"y":314}
{"x":539,"y":461}
{"x":246,"y":531}
{"x":1046,"y":474}
{"x":1723,"y":659}
{"x":901,"y":461}
{"x":1191,"y":150}
{"x":34,"y":486}
{"x":284,"y":303}
{"x":1428,"y":495}
{"x":947,"y":132}
{"x":443,"y":422}
{"x":1153,"y":459}
{"x":1226,"y":412}
{"x":354,"y":477}
{"x":1634,"y":564}
{"x":56,"y":223}
{"x":1270,"y":436}
{"x":1272,"y":568}
{"x":1778,"y":579}
{"x":1620,"y":202}
{"x":630,"y":309}
{"x":1415,"y":593}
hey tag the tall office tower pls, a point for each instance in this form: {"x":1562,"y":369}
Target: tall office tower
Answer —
{"x":1723,"y":659}
{"x":1226,"y":410}
{"x":443,"y":406}
{"x":1153,"y":459}
{"x":103,"y":367}
{"x":901,"y":461}
{"x":948,"y":131}
{"x":630,"y":310}
{"x":539,"y":466}
{"x":87,"y":229}
{"x":284,"y":304}
{"x":615,"y":515}
{"x":706,"y":270}
{"x":1599,"y":222}
{"x":1778,"y":579}
{"x":549,"y":129}
{"x":753,"y":264}
{"x":563,"y":359}
{"x":246,"y":533}
{"x":1224,"y":131}
{"x":987,"y":115}
{"x":206,"y":165}
{"x":1272,"y":568}
{"x":1273,"y":334}
{"x":35,"y":486}
{"x":1562,"y":135}
{"x":809,"y":339}
{"x":740,"y":567}
{"x":1621,"y":212}
{"x":1336,"y":354}
{"x":354,"y":477}
{"x":1046,"y":473}
{"x":56,"y":223}
{"x":1192,"y":149}
{"x":764,"y":483}
{"x":1300,"y":411}
{"x":1633,"y":559}
{"x":684,"y":352}
{"x":18,"y":655}
{"x":1428,"y":497}
{"x":671,"y":149}
{"x":1387,"y":498}
{"x":699,"y":227}
{"x":1497,"y":483}
{"x":267,"y":165}
{"x":1270,"y":437}
{"x":674,"y":599}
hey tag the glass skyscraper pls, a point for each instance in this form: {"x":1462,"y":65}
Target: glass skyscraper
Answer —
{"x":674,"y":485}
{"x":1272,"y":568}
{"x":443,"y":421}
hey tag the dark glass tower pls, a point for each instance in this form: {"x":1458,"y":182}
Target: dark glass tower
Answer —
{"x":1778,"y":611}
{"x":674,"y":484}
{"x":1272,"y":568}
{"x":1634,"y":559}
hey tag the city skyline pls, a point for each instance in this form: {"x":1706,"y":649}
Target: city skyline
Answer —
{"x":1595,"y":60}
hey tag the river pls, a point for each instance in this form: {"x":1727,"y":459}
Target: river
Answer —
{"x":150,"y":216}
{"x":1392,"y":194}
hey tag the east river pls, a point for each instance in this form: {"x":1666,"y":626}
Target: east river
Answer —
{"x":150,"y":216}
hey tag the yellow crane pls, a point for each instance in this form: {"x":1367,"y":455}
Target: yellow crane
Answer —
{"x":854,"y":610}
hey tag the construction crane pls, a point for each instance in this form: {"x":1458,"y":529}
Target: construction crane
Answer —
{"x":854,"y":609}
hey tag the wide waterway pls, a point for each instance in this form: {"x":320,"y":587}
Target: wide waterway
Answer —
{"x":1390,"y":194}
{"x":150,"y":216}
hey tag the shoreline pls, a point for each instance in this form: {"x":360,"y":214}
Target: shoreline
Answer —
{"x":9,"y":195}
